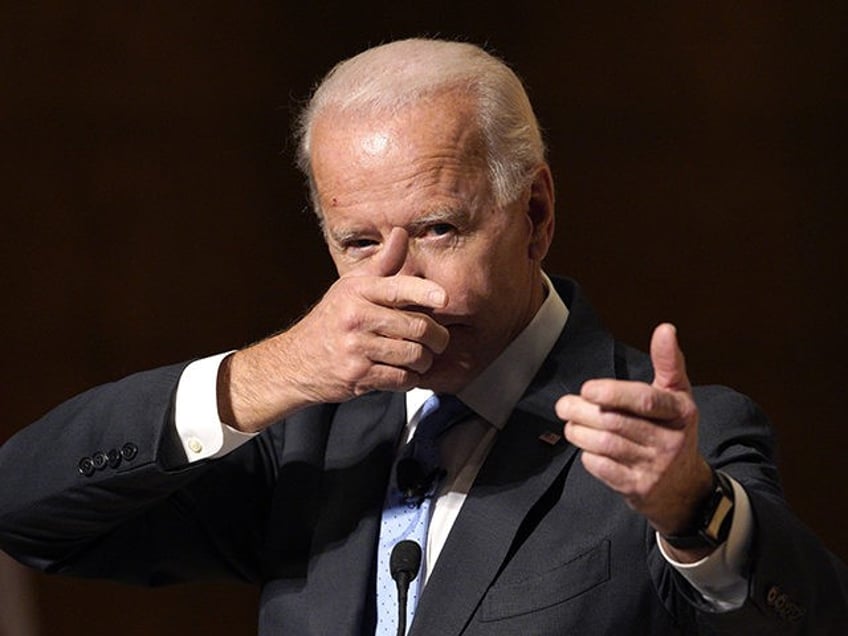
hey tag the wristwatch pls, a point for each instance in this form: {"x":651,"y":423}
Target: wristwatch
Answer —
{"x":712,"y":521}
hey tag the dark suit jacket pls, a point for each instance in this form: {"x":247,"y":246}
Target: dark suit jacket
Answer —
{"x":99,"y":488}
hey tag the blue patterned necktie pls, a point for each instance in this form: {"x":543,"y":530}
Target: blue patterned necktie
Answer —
{"x":407,"y":509}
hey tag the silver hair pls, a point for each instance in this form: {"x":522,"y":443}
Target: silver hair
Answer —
{"x":389,"y":77}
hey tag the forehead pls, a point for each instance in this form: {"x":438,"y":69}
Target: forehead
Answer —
{"x":435,"y":143}
{"x":449,"y":114}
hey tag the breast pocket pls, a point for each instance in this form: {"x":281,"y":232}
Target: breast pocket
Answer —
{"x":587,"y":569}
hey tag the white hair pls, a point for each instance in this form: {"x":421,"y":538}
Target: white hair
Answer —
{"x":386,"y":78}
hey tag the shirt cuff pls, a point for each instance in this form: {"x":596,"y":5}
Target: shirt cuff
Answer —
{"x":719,"y":577}
{"x":202,"y":433}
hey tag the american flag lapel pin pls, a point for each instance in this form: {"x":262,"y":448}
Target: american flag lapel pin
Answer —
{"x":550,"y":437}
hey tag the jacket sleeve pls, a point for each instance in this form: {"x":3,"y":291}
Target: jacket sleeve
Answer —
{"x":100,"y":487}
{"x":796,"y":586}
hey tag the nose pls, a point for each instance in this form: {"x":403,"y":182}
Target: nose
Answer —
{"x":413,"y":264}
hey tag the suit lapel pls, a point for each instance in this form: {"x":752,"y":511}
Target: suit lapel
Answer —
{"x":360,"y":450}
{"x":518,"y":472}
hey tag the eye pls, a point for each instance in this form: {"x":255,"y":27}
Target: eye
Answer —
{"x":357,"y":246}
{"x":441,"y":229}
{"x":359,"y":243}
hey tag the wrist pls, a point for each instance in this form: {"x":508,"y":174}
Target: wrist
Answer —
{"x":710,"y":526}
{"x":251,"y":392}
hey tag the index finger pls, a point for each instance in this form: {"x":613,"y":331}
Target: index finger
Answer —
{"x":404,"y":292}
{"x":637,"y":398}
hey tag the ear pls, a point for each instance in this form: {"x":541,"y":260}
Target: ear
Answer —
{"x":540,"y":213}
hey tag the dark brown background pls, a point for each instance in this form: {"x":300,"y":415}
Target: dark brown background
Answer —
{"x":151,"y":213}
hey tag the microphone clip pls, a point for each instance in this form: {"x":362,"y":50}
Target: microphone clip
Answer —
{"x":414,"y":482}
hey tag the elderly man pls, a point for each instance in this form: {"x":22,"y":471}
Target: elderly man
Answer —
{"x":654,"y":509}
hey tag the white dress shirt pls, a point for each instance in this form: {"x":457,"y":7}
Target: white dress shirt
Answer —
{"x":718,"y":577}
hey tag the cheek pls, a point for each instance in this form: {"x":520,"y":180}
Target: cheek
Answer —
{"x":467,"y":285}
{"x":341,"y":267}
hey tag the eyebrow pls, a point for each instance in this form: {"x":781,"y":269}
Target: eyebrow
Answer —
{"x":454,"y":216}
{"x":343,"y":235}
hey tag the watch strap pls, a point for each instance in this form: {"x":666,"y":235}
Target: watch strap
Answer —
{"x":713,"y":520}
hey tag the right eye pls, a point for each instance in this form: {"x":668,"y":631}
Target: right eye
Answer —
{"x":359,"y":243}
{"x":356,"y":248}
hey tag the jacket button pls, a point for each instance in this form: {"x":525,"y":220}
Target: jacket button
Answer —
{"x":86,"y":466}
{"x":114,"y":458}
{"x":99,"y":460}
{"x":129,"y":451}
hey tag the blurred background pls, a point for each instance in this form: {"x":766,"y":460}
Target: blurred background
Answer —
{"x":151,"y":212}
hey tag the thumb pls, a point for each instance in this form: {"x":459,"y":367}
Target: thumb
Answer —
{"x":667,"y":358}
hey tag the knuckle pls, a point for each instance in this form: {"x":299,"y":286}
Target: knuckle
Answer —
{"x":343,"y":289}
{"x":392,"y":290}
{"x":608,"y":443}
{"x":351,"y":345}
{"x":416,"y":357}
{"x":352,"y":371}
{"x":689,"y":410}
{"x":350,"y":319}
{"x":404,"y":352}
{"x":415,"y":352}
{"x":417,"y":327}
{"x":647,"y":401}
{"x":615,"y":422}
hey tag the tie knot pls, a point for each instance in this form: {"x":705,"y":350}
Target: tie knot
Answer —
{"x":419,"y":468}
{"x":439,"y":413}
